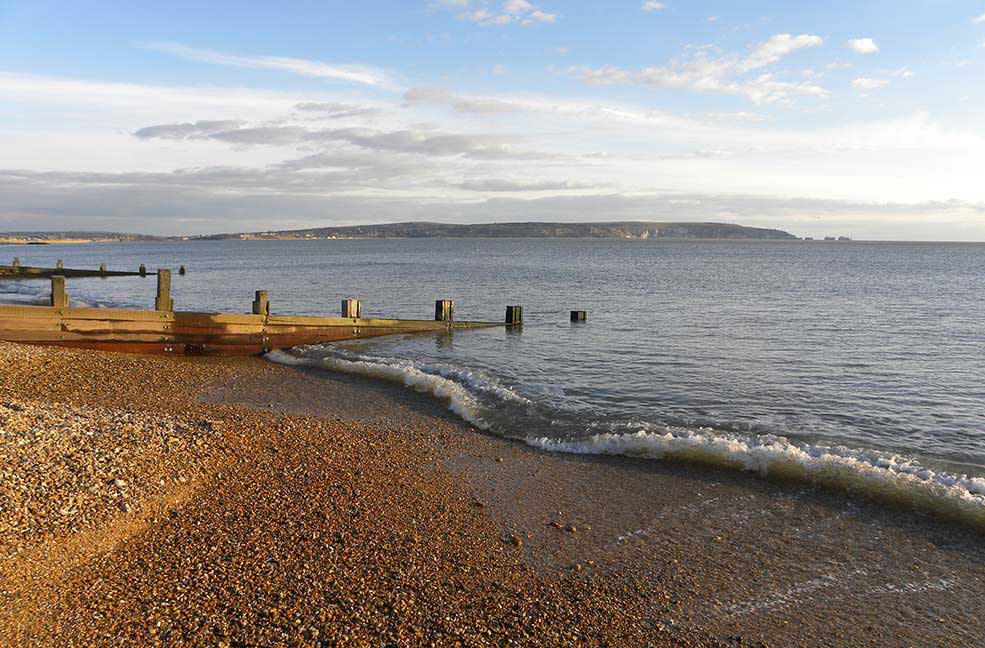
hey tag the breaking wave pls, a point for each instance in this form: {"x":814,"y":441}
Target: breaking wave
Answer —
{"x":461,"y":388}
{"x":489,"y":405}
{"x":36,"y":293}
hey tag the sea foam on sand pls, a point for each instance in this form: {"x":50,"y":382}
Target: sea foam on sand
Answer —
{"x":472,"y":396}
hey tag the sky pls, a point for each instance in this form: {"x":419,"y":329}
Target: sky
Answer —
{"x":855,"y":118}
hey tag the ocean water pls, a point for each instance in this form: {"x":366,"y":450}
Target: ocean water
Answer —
{"x":857,"y":365}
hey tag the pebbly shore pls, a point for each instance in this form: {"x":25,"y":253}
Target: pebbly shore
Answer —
{"x":234,"y":502}
{"x":136,"y":514}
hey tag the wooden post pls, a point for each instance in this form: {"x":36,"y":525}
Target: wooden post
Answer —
{"x":60,"y":265}
{"x":352,"y":308}
{"x":102,"y":268}
{"x":17,"y":263}
{"x":514,"y":314}
{"x":444,"y":310}
{"x":579,"y":316}
{"x":58,"y":297}
{"x":143,"y":270}
{"x":261,"y":305}
{"x":163,"y":301}
{"x":181,"y":270}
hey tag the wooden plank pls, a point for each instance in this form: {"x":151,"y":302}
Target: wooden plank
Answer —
{"x":190,"y":333}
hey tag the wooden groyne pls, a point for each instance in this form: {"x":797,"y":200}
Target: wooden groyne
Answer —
{"x":164,"y":331}
{"x":18,"y":271}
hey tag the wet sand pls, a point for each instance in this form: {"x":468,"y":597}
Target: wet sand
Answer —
{"x":268,"y":505}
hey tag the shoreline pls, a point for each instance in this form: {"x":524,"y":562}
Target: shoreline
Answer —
{"x":426,"y":517}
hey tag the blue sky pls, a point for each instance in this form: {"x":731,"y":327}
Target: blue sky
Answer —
{"x":859,"y":118}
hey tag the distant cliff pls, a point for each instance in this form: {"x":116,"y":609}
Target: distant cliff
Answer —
{"x":626,"y":230}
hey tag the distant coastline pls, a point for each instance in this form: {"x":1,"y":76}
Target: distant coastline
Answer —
{"x":417,"y":230}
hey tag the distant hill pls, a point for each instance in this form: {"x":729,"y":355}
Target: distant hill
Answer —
{"x":625,"y":230}
{"x":72,"y":237}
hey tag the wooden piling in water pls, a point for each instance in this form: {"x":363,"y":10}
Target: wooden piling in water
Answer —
{"x":142,"y":270}
{"x":102,"y":268}
{"x":579,"y":316}
{"x":261,"y":305}
{"x":59,"y":265}
{"x":17,"y":263}
{"x":163,"y":302}
{"x":514,"y":315}
{"x":58,"y":297}
{"x":181,"y":270}
{"x":444,"y":310}
{"x":352,"y":308}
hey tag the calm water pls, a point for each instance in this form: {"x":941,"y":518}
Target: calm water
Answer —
{"x":859,"y":362}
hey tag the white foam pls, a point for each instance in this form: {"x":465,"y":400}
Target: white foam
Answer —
{"x":872,"y":472}
{"x":471,"y":395}
{"x":460,"y":400}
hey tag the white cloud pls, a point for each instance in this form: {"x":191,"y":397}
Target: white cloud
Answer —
{"x":605,"y":75}
{"x":652,"y":5}
{"x":222,"y":158}
{"x":736,"y":117}
{"x":903,"y":73}
{"x":866,"y":85}
{"x":979,"y":19}
{"x":722,"y":74}
{"x":862,"y":45}
{"x":519,"y":12}
{"x":778,"y":46}
{"x":362,"y":74}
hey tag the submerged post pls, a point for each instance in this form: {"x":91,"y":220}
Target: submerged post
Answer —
{"x":17,"y":263}
{"x":60,"y":265}
{"x":102,"y":268}
{"x":444,"y":310}
{"x":58,"y":297}
{"x":579,"y":316}
{"x":261,"y":305}
{"x":352,"y":308}
{"x":142,"y":270}
{"x":514,"y":314}
{"x":181,"y":270}
{"x":163,"y":301}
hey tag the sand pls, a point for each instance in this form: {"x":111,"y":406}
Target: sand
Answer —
{"x":159,"y":501}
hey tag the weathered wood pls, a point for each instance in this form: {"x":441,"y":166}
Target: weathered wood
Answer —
{"x":514,"y":315}
{"x":58,"y":297}
{"x":444,"y":310}
{"x":181,"y":333}
{"x":163,"y":301}
{"x":181,"y":270}
{"x":142,"y":270}
{"x":17,"y":263}
{"x":59,"y":265}
{"x":27,"y":272}
{"x":352,"y":308}
{"x":579,"y":316}
{"x":261,"y":305}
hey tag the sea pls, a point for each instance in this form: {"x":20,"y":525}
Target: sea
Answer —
{"x":858,"y":366}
